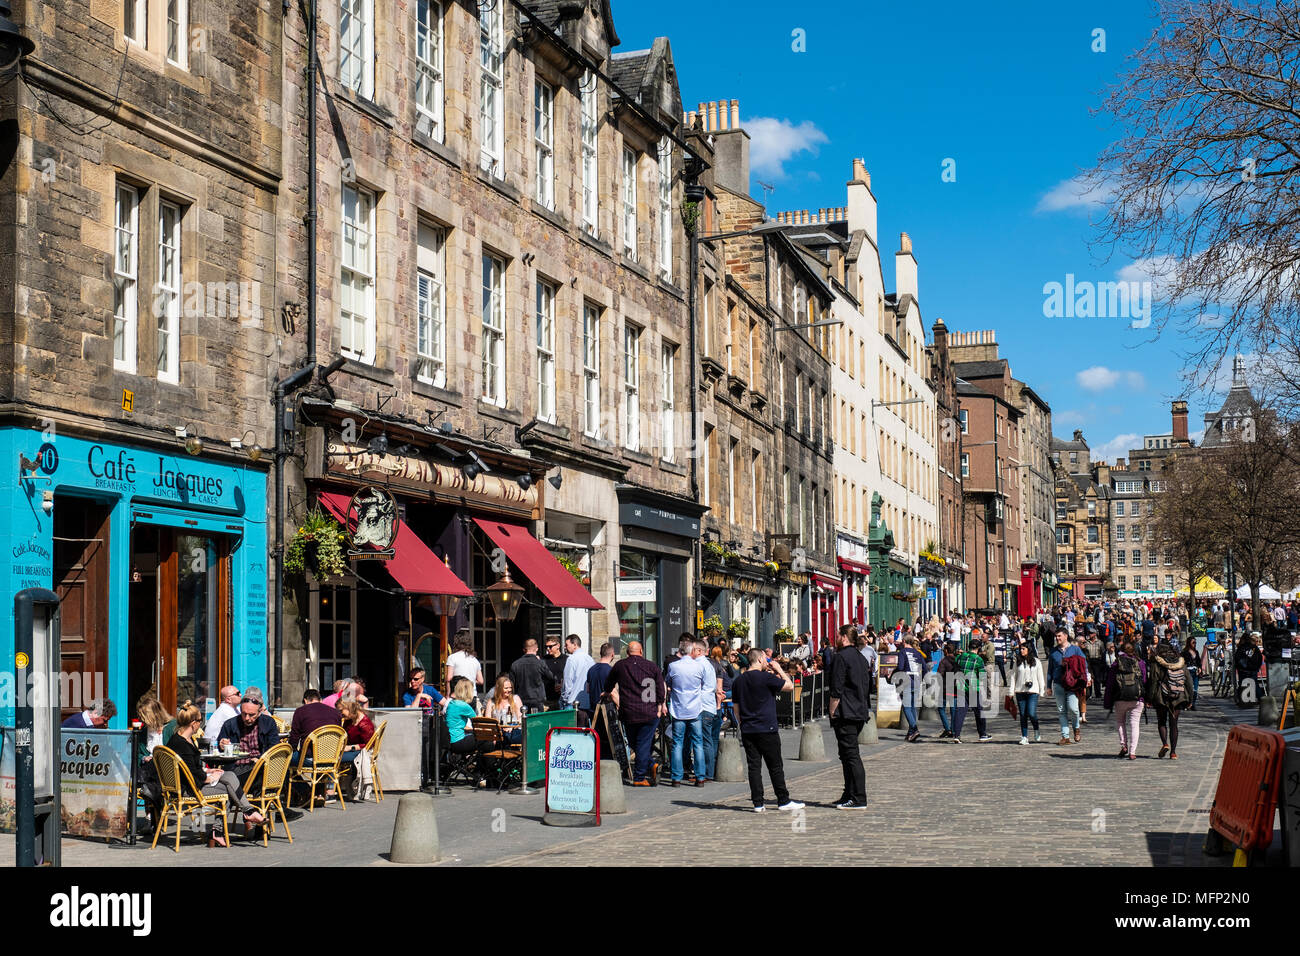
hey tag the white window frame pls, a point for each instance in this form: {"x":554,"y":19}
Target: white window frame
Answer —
{"x":544,"y":143}
{"x":588,"y":152}
{"x":665,"y":167}
{"x":176,"y":37}
{"x":1137,"y":582}
{"x":431,"y":306}
{"x":732,"y":444}
{"x":1152,"y":557}
{"x":135,"y":21}
{"x":430,"y":91}
{"x":126,"y":276}
{"x":668,"y":400}
{"x":629,"y":209}
{"x":631,"y":386}
{"x":965,"y":429}
{"x":167,"y":292}
{"x":491,"y":89}
{"x":1119,"y":533}
{"x":591,"y":370}
{"x":965,"y":465}
{"x":357,"y":272}
{"x":492,"y":315}
{"x":357,"y":43}
{"x":1121,"y":557}
{"x":776,"y":281}
{"x":545,"y":329}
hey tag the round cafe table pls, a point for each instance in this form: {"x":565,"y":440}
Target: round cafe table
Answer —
{"x":220,"y":759}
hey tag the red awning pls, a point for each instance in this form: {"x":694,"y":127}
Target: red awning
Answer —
{"x":538,"y":565}
{"x":413,"y":566}
{"x":854,"y":566}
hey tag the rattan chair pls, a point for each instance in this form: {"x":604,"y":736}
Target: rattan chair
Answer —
{"x":373,"y":745}
{"x":181,"y":794}
{"x":506,"y":759}
{"x":273,"y":768}
{"x":319,"y":760}
{"x":281,"y":724}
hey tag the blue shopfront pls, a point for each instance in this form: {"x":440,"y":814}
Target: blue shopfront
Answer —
{"x":159,"y":558}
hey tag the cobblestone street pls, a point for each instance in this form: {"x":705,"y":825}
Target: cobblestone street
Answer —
{"x":935,"y":802}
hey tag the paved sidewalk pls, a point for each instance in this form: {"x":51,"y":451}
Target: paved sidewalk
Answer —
{"x":935,"y":802}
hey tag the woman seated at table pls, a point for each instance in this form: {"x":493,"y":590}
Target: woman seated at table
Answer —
{"x":458,"y":716}
{"x":359,"y":727}
{"x":505,"y":706}
{"x":189,"y":720}
{"x":158,"y":724}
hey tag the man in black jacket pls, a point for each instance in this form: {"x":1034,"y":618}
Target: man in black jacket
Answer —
{"x":253,"y":731}
{"x":850,"y":708}
{"x":533,"y":679}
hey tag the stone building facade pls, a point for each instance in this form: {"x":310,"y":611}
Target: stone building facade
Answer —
{"x":502,"y":292}
{"x":138,"y":228}
{"x":1038,"y":494}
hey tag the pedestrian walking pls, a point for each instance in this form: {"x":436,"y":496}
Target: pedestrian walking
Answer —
{"x":907,"y":678}
{"x":850,"y":708}
{"x":1124,"y":693}
{"x":753,"y":697}
{"x":690,"y":681}
{"x":1067,"y":670}
{"x":948,"y":671}
{"x":1191,"y":656}
{"x":1027,"y":683}
{"x":1167,"y":690}
{"x":970,"y":665}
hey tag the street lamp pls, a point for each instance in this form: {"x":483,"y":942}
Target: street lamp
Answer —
{"x":506,"y":596}
{"x":13,"y":45}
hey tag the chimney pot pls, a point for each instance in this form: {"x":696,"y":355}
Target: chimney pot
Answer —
{"x":713,"y":116}
{"x":735,"y":114}
{"x":904,"y":243}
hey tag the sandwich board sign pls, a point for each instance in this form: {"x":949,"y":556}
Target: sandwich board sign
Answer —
{"x":572,"y":778}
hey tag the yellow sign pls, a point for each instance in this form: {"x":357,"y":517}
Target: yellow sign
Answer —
{"x":699,"y":620}
{"x":128,"y":400}
{"x":22,"y":660}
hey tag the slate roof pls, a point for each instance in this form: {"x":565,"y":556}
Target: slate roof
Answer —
{"x":990,"y":369}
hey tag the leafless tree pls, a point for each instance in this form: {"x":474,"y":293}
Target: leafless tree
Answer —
{"x":1202,"y":183}
{"x":1184,"y":521}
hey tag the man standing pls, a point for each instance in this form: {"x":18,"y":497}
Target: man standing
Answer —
{"x":554,"y":662}
{"x":970,"y":665}
{"x":710,"y":710}
{"x":689,"y":680}
{"x":850,"y":708}
{"x":576,"y":666}
{"x":594,"y":688}
{"x":531,"y":677}
{"x":637,"y":686}
{"x":753,"y":695}
{"x":227,"y":710}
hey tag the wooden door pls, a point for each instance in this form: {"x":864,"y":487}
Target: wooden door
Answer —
{"x":81,"y":529}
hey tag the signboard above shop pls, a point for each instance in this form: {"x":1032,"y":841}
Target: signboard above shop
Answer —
{"x":635,"y":591}
{"x":658,"y":519}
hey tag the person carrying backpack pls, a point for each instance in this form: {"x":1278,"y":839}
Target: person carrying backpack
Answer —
{"x":1095,"y":652}
{"x":1167,"y":689}
{"x":1124,"y":694}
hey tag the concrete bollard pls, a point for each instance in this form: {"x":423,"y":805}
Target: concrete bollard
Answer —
{"x":927,"y":712}
{"x":612,"y":798}
{"x":869,"y":734}
{"x":415,"y":830}
{"x":731,"y":763}
{"x":811,"y":745}
{"x":1270,"y":712}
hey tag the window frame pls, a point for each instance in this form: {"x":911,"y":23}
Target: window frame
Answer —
{"x":126,"y":279}
{"x":589,"y":151}
{"x":363,"y":48}
{"x":630,"y":167}
{"x":431,"y":309}
{"x":136,"y":13}
{"x":167,"y":295}
{"x":668,"y":400}
{"x":492,"y":70}
{"x":366,"y":274}
{"x":544,"y":143}
{"x":492,"y":328}
{"x":182,"y":20}
{"x":631,"y":386}
{"x":591,"y":370}
{"x":664,"y":165}
{"x":544,"y":297}
{"x":430,"y":68}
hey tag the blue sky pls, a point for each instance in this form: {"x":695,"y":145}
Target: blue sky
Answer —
{"x":1004,"y":92}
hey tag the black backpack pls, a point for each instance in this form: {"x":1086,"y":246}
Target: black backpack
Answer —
{"x":1128,"y":679}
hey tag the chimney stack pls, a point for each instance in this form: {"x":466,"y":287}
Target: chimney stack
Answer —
{"x":905,"y":282}
{"x":860,"y":209}
{"x":1179,"y":410}
{"x":730,"y":145}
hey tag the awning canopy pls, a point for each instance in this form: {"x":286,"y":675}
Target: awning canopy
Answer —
{"x":538,"y":565}
{"x":1266,"y":593}
{"x":413,"y":566}
{"x":1206,"y":586}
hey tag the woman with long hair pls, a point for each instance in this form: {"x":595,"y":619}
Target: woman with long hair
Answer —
{"x":505,"y":706}
{"x":189,"y":719}
{"x":1191,"y":656}
{"x":158,"y":724}
{"x":1027,"y":682}
{"x":462,"y":662}
{"x":1124,"y":692}
{"x":1169,"y":693}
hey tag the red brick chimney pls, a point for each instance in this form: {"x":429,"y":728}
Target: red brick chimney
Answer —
{"x":1180,"y":421}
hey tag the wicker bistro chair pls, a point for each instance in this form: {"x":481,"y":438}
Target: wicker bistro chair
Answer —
{"x":272,"y":768}
{"x":319,"y":760}
{"x":281,"y":724}
{"x":178,"y":789}
{"x":370,"y":750}
{"x":507,"y":759}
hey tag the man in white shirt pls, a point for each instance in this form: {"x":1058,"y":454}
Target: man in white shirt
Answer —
{"x":227,"y":710}
{"x":954,"y":629}
{"x":575,"y":671}
{"x":689,"y":679}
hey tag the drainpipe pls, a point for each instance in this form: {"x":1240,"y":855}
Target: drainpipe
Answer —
{"x":281,"y":387}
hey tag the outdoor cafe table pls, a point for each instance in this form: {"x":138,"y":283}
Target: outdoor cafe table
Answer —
{"x":220,"y":758}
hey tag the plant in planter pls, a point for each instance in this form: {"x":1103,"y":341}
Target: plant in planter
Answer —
{"x":572,"y":567}
{"x":772,"y":568}
{"x":317,"y":547}
{"x":713,"y":626}
{"x":784,"y":635}
{"x":738,"y":630}
{"x":715,"y":552}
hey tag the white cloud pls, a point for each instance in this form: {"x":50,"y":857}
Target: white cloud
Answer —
{"x":1117,"y":447}
{"x":1099,"y":379}
{"x":1068,"y":417}
{"x":1078,"y":193}
{"x":774,"y":141}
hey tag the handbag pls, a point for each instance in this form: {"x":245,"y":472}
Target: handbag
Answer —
{"x":1011,"y":707}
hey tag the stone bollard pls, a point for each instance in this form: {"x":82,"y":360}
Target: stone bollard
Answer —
{"x":811,"y":745}
{"x":1270,"y":712}
{"x":415,"y":830}
{"x":927,"y":712}
{"x":612,"y":798}
{"x":869,"y":734}
{"x":730,"y":764}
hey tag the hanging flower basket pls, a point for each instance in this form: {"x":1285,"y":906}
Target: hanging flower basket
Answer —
{"x":572,"y":567}
{"x":317,"y":546}
{"x":738,"y":630}
{"x":784,"y":635}
{"x":713,"y":625}
{"x":715,"y":552}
